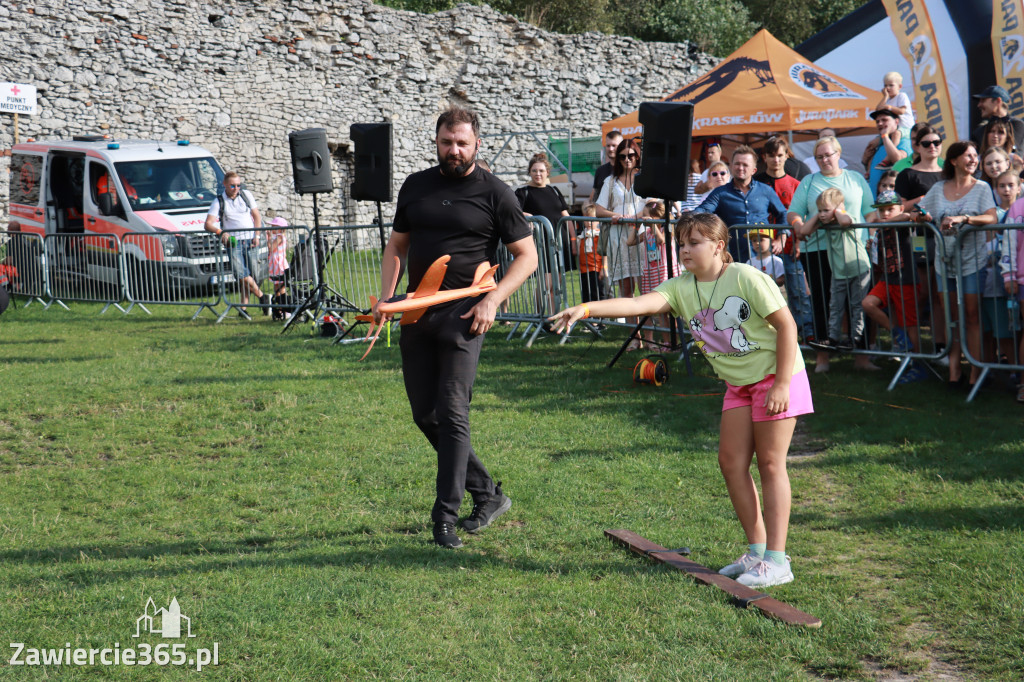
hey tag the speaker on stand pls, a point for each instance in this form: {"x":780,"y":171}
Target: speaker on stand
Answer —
{"x":664,"y":169}
{"x":372,"y":171}
{"x":311,"y":171}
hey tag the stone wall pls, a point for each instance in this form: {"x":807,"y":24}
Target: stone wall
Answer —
{"x":237,"y":77}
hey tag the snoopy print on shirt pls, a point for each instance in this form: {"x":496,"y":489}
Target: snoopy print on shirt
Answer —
{"x":720,"y":332}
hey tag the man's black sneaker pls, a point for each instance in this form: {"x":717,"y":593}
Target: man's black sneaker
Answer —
{"x":486,"y":511}
{"x":444,"y":535}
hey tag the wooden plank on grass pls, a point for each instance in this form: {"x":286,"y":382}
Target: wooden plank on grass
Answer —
{"x":743,"y":595}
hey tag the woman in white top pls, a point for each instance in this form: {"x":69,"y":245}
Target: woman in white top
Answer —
{"x":956,"y":202}
{"x":618,"y":200}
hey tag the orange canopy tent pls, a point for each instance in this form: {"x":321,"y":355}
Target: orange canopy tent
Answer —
{"x":766,"y":86}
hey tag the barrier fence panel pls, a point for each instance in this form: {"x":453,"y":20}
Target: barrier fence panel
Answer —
{"x":871,"y":291}
{"x":184,"y":269}
{"x":21,"y":260}
{"x":541,"y":292}
{"x":273,"y":272}
{"x":860,"y":290}
{"x":986,"y":260}
{"x":79,"y":267}
{"x":601,"y":248}
{"x":352,"y":268}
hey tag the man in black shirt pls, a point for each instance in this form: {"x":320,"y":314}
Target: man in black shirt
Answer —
{"x":611,"y":143}
{"x":460,"y":210}
{"x":993,"y":103}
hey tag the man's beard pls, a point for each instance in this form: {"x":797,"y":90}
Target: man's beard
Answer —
{"x":452,"y":168}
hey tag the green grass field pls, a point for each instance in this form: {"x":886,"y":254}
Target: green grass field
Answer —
{"x":278,"y":489}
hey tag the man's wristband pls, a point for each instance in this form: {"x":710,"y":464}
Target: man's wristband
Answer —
{"x":586,"y":312}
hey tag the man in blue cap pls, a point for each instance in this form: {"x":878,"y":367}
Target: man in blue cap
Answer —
{"x":992,"y":102}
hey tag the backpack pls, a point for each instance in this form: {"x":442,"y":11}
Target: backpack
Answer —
{"x":243,"y":192}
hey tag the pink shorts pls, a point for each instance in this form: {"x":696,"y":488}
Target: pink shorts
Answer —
{"x":753,"y":395}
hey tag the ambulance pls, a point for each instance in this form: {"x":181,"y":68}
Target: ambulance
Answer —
{"x":148,"y":198}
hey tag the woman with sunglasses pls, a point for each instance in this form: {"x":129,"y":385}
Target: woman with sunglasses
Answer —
{"x":911,"y":185}
{"x":619,"y":201}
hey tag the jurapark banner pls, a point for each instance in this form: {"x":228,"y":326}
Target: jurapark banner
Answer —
{"x":1008,"y":50}
{"x":913,"y":30}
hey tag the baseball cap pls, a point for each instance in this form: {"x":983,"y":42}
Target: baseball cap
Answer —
{"x":993,"y":91}
{"x":757,"y":233}
{"x":882,"y":112}
{"x":886,"y":198}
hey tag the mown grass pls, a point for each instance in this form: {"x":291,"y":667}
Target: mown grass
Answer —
{"x":278,"y":488}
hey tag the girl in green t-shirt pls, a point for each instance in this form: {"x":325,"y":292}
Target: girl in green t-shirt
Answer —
{"x":739,"y":319}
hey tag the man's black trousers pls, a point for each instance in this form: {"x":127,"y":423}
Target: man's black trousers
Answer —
{"x":439,"y":361}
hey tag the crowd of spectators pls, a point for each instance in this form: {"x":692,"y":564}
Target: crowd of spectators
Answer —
{"x":849,"y":283}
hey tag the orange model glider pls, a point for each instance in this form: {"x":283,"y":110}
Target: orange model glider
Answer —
{"x":427,"y":294}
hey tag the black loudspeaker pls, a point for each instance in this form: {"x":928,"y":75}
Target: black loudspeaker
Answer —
{"x":372,"y":177}
{"x":665,"y":152}
{"x":311,"y":161}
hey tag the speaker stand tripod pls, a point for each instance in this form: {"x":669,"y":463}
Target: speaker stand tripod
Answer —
{"x":322,"y":297}
{"x":673,"y":342}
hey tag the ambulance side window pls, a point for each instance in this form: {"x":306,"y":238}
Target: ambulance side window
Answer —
{"x":26,"y":172}
{"x":104,"y":191}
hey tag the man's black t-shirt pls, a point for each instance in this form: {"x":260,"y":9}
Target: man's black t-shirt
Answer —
{"x":460,"y":217}
{"x":600,"y":175}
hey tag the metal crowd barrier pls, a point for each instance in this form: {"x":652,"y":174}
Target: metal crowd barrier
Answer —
{"x":528,"y":306}
{"x":184,"y":269}
{"x":21,"y":255}
{"x":835,"y":305}
{"x":583,"y":284}
{"x":255,"y":255}
{"x":352,"y":267}
{"x":990,"y":336}
{"x":193,"y":269}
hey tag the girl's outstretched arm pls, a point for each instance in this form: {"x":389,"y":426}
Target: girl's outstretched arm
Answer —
{"x":648,"y":304}
{"x":786,"y":348}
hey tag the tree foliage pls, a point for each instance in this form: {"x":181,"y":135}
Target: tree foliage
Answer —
{"x":714,"y":26}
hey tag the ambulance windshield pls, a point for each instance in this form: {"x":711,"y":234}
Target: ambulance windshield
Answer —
{"x":171,"y":183}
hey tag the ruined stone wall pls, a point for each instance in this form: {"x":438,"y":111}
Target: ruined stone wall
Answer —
{"x":237,"y":77}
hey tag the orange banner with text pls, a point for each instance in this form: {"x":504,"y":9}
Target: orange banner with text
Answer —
{"x":913,"y":30}
{"x":1008,"y":50}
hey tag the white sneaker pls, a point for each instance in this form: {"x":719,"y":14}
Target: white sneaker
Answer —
{"x":767,"y":573}
{"x":741,"y":565}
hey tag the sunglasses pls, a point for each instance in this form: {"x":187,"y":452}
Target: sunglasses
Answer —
{"x":631,"y":155}
{"x":234,"y":186}
{"x":930,"y":143}
{"x":715,"y":174}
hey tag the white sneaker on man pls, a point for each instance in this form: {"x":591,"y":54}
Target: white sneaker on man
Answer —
{"x":741,"y":565}
{"x":767,"y":573}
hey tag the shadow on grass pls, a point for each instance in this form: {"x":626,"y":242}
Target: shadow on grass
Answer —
{"x":409,"y":548}
{"x":992,"y":517}
{"x":38,"y":360}
{"x":30,"y":342}
{"x":952,"y":463}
